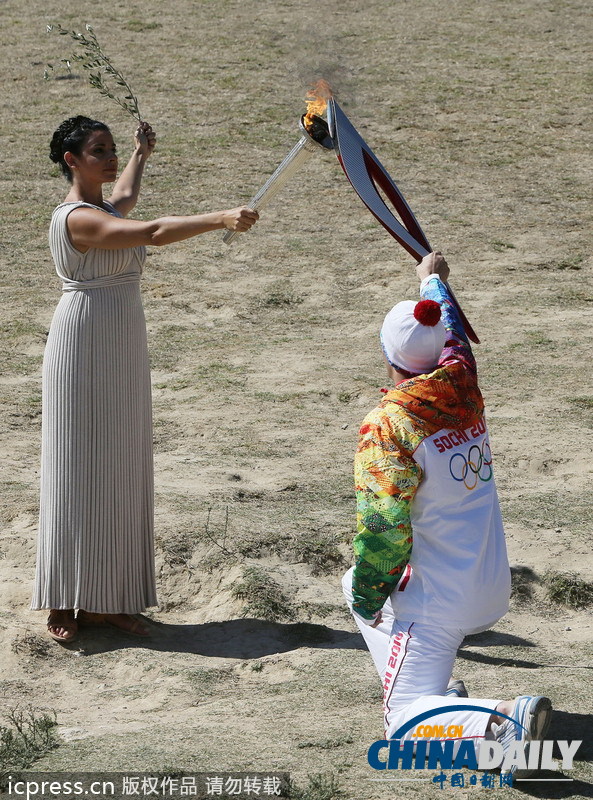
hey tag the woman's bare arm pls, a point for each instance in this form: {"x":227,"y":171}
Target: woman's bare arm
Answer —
{"x":127,"y":187}
{"x":89,"y":227}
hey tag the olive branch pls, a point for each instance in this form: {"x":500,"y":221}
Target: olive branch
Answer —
{"x":102,"y":74}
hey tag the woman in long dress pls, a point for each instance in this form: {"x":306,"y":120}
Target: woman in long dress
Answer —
{"x":95,"y":544}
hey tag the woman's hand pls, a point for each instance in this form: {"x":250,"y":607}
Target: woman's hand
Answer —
{"x":239,"y":219}
{"x":145,"y":139}
{"x":433,"y":264}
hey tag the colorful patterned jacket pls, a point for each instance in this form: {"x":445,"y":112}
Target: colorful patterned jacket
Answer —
{"x":386,"y":474}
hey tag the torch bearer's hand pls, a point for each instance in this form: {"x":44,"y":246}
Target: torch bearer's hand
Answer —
{"x":433,"y":264}
{"x":239,"y":219}
{"x":378,"y":620}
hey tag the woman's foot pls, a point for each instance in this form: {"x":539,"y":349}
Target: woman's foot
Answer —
{"x":61,"y":625}
{"x":124,"y":622}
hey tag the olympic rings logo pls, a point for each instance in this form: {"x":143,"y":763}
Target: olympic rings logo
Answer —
{"x":476,"y":467}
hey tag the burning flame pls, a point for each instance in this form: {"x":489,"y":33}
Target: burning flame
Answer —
{"x":317,"y":96}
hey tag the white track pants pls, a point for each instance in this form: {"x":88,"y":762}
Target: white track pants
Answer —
{"x":415,"y":662}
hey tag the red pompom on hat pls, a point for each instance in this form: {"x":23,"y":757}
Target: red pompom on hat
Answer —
{"x":427,"y":312}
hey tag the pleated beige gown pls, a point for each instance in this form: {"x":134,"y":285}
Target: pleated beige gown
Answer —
{"x":95,"y":547}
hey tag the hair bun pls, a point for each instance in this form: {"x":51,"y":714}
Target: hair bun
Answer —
{"x":427,"y":312}
{"x":64,"y":130}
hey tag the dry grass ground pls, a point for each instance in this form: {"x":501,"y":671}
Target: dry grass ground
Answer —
{"x":265,"y":359}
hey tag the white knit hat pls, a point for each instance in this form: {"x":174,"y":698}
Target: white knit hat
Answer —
{"x":413,"y":336}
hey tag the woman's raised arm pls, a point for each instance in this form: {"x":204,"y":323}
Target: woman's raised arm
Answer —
{"x":127,"y":187}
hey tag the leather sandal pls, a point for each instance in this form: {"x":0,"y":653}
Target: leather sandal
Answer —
{"x":62,"y":619}
{"x":123,"y":622}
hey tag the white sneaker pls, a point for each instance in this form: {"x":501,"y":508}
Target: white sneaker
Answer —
{"x":533,"y":717}
{"x":456,"y":689}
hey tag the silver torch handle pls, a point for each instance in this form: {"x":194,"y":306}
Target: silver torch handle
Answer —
{"x":291,"y":164}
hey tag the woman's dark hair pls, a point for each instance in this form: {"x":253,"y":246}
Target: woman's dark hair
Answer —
{"x":71,"y":135}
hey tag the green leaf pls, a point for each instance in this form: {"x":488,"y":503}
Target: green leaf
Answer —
{"x":97,"y":65}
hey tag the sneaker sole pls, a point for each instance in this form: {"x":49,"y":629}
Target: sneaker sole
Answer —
{"x":540,"y":719}
{"x":535,"y":717}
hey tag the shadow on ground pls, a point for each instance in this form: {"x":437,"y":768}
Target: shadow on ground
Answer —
{"x":496,"y":639}
{"x":492,"y":638}
{"x":237,"y":638}
{"x":509,"y":661}
{"x":570,"y":727}
{"x":545,"y":788}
